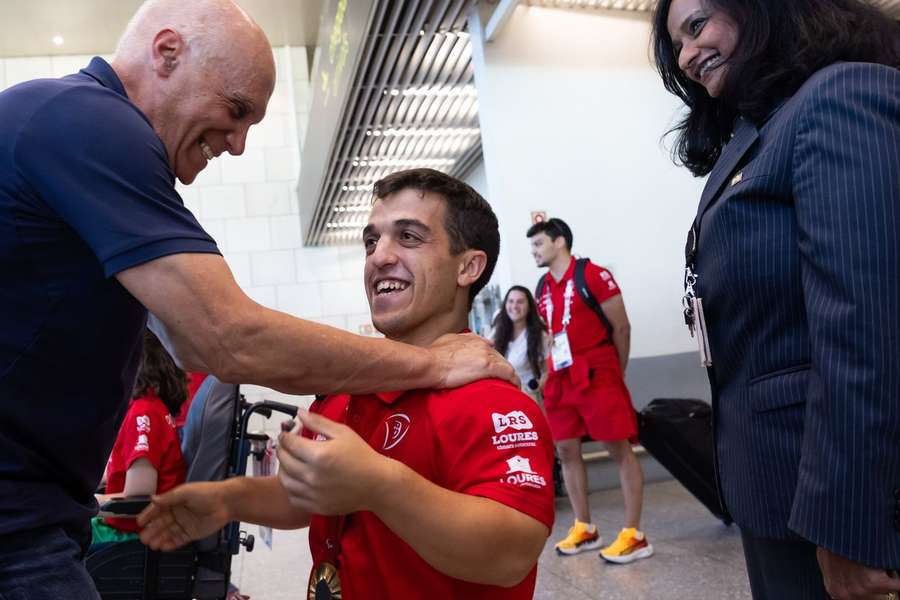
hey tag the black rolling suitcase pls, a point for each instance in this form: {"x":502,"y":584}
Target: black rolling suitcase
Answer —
{"x":678,"y":433}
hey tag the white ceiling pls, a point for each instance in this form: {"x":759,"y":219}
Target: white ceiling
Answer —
{"x":27,"y":27}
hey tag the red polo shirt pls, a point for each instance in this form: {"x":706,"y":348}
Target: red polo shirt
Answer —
{"x":148,"y":431}
{"x":586,"y":330}
{"x":485,"y":439}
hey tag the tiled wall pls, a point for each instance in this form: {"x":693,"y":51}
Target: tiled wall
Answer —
{"x":248,"y":204}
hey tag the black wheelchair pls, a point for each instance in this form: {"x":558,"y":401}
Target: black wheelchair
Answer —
{"x":216,"y":444}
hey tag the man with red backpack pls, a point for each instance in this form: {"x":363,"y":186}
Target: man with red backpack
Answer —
{"x":585,"y":392}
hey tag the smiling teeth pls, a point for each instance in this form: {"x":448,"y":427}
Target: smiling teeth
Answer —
{"x":710,"y":64}
{"x":390,"y":284}
{"x":207,"y":151}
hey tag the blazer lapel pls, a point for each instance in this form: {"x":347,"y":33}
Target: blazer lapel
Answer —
{"x":745,"y":135}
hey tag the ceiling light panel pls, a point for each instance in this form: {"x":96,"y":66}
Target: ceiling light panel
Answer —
{"x":413,"y":104}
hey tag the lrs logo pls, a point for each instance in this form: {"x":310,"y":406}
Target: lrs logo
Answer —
{"x":516,"y":419}
{"x":395,"y":428}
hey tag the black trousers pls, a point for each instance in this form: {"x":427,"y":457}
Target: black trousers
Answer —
{"x":783,"y":569}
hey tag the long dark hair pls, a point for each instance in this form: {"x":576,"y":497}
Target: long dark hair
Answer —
{"x":780,"y":44}
{"x":159,"y":371}
{"x":534,"y":329}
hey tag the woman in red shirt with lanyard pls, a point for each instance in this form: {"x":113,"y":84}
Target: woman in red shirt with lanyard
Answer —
{"x":146,"y":458}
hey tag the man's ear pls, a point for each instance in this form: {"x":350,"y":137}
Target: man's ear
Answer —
{"x":471,"y":266}
{"x":168,"y":45}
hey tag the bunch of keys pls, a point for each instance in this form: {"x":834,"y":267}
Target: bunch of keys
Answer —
{"x":694,"y":317}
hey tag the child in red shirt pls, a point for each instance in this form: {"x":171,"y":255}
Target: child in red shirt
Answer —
{"x":146,"y":458}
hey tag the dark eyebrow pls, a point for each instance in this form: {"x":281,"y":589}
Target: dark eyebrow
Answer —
{"x":685,"y":25}
{"x":368,"y":229}
{"x":412,"y":223}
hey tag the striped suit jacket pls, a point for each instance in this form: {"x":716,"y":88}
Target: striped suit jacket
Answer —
{"x":798,"y":260}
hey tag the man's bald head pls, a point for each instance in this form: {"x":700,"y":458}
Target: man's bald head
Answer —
{"x":210,"y":28}
{"x":202,"y":71}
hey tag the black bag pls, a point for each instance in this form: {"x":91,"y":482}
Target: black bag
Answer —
{"x":678,"y":433}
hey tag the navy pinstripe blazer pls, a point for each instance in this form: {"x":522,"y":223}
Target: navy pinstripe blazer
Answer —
{"x":799,"y":271}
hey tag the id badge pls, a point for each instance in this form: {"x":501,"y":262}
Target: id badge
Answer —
{"x":560,"y":352}
{"x":702,"y":335}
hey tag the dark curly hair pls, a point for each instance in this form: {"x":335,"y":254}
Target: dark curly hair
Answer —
{"x":159,"y":371}
{"x":781,"y":43}
{"x":469,"y":220}
{"x":534,"y":329}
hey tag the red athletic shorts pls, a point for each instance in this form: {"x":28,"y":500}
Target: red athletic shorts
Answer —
{"x":590,"y":398}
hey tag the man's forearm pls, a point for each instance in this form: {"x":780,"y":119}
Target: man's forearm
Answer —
{"x":466,"y":537}
{"x":301,"y":357}
{"x":262,"y":501}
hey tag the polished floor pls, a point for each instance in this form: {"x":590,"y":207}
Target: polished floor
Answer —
{"x":696,"y":556}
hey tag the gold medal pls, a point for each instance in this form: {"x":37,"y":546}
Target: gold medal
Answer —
{"x":324,"y":583}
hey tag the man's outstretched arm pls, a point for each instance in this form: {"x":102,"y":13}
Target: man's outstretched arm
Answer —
{"x":214,"y":327}
{"x":195,"y":510}
{"x":466,"y":537}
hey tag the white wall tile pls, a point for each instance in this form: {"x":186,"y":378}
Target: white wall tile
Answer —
{"x":299,"y":64}
{"x":286,"y":232}
{"x":216,"y":229}
{"x":270,"y":199}
{"x":25,"y":69}
{"x":318,"y":264}
{"x":211,"y":174}
{"x":66,"y":65}
{"x":343,"y":298}
{"x":269,"y":268}
{"x":361,"y":324}
{"x":222,"y":201}
{"x":271,"y":132}
{"x":239,"y":262}
{"x":353,"y":261}
{"x":191,"y":197}
{"x":282,"y":164}
{"x":264,"y":295}
{"x":303,"y":300}
{"x":248,"y":235}
{"x":249,"y":167}
{"x":280,"y":102}
{"x":339,"y":321}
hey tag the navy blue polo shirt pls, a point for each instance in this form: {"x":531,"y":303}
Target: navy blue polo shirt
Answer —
{"x":86,"y":191}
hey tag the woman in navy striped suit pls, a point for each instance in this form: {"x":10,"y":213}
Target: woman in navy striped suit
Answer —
{"x":793,"y":278}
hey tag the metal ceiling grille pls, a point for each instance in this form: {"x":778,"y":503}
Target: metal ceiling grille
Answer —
{"x":638,"y":5}
{"x":412,"y":103}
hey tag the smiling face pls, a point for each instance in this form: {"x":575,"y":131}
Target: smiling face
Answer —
{"x":208,"y":105}
{"x":417,"y":289}
{"x":516,"y":306}
{"x":545,"y":250}
{"x":703,"y":39}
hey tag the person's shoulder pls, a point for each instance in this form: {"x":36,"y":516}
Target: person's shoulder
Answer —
{"x":845,"y":77}
{"x":477,"y":398}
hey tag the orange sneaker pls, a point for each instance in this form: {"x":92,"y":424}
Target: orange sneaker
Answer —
{"x":581,"y":537}
{"x":629,"y":546}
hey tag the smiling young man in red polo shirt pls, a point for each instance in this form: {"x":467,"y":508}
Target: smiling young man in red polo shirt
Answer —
{"x":408,"y":494}
{"x":585,"y":392}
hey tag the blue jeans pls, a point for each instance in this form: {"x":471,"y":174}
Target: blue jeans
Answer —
{"x":44,"y":564}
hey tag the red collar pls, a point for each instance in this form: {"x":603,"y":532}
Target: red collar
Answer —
{"x":569,"y":274}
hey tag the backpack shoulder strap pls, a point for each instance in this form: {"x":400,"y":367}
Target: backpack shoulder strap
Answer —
{"x":539,"y":288}
{"x":585,"y":292}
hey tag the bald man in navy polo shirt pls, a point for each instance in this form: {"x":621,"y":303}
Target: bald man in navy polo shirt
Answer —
{"x":93,"y":235}
{"x":408,"y":493}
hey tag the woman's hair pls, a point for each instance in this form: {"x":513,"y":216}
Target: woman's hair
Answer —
{"x":534,"y":329}
{"x":159,"y":371}
{"x":780,"y":44}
